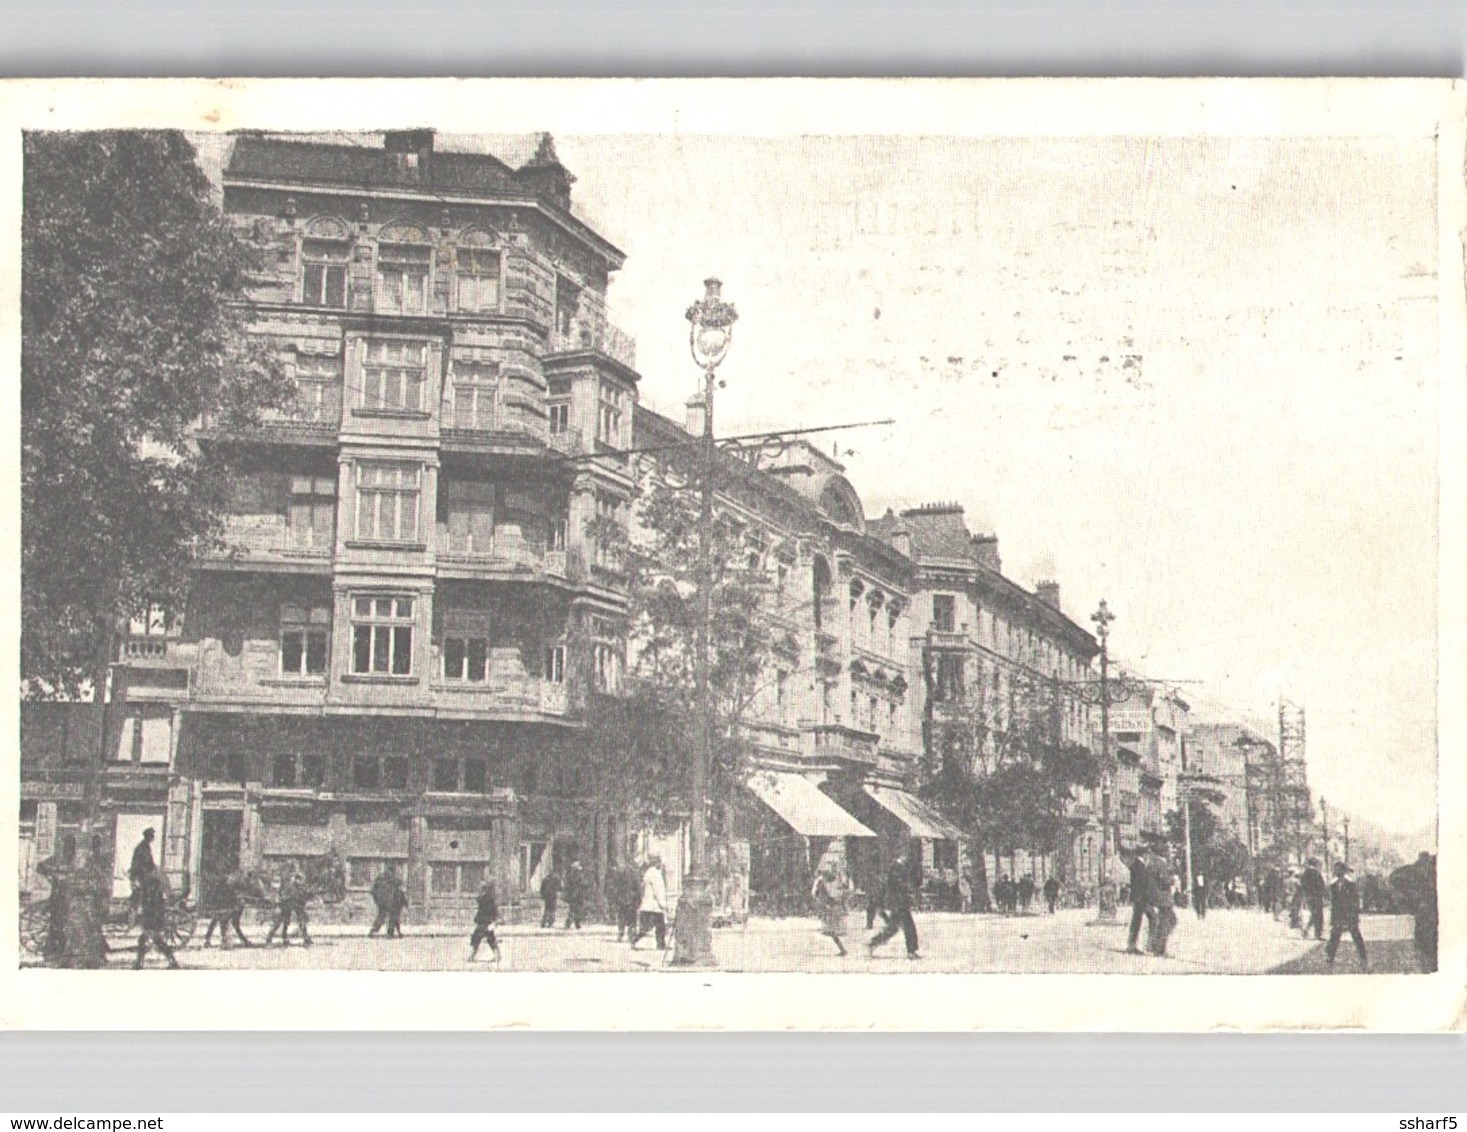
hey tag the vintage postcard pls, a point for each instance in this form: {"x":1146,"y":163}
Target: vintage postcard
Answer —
{"x":806,"y":554}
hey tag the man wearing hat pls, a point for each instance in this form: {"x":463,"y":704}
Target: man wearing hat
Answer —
{"x":1313,"y":892}
{"x":1344,"y":915}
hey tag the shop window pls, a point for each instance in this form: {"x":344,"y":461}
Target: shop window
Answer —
{"x":450,"y":878}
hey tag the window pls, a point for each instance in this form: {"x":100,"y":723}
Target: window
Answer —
{"x":311,"y":511}
{"x":366,"y":772}
{"x":782,"y":697}
{"x":393,"y":376}
{"x":605,"y":655}
{"x":323,"y":282}
{"x":610,"y":408}
{"x":559,"y":413}
{"x":445,"y":775}
{"x":155,"y":623}
{"x":362,"y":871}
{"x":871,"y":715}
{"x":382,"y":636}
{"x":466,"y":658}
{"x":608,"y":522}
{"x":395,"y":773}
{"x":448,"y":878}
{"x":313,"y":771}
{"x":478,"y":281}
{"x":387,"y":502}
{"x":282,"y":770}
{"x":944,"y":612}
{"x":303,"y":633}
{"x":146,"y":737}
{"x":475,"y":396}
{"x":555,"y":664}
{"x":567,"y":304}
{"x":467,"y":510}
{"x":948,"y":679}
{"x":476,"y":776}
{"x":402,"y":279}
{"x":318,"y":389}
{"x":556,"y":533}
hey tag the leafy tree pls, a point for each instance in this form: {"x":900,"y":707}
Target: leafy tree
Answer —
{"x":1217,"y":853}
{"x":132,"y":330}
{"x":651,"y":733}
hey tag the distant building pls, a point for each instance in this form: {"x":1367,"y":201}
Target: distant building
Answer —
{"x":996,"y":663}
{"x":1239,"y":762}
{"x":1148,"y":732}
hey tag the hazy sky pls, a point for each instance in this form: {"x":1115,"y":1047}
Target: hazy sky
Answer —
{"x":1193,"y":376}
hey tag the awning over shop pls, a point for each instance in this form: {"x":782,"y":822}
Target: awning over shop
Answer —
{"x":802,"y":806}
{"x":913,"y":813}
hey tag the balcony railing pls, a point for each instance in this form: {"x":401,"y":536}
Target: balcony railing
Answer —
{"x":951,"y":638}
{"x":567,"y":441}
{"x":587,"y":328}
{"x":839,"y":741}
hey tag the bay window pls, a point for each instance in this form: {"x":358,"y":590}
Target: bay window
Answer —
{"x":382,"y":635}
{"x":388,"y":495}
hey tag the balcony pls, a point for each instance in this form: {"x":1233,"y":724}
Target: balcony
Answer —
{"x":585,"y":327}
{"x":567,"y":441}
{"x":499,"y":556}
{"x":266,"y":539}
{"x":523,"y":698}
{"x":846,"y":743}
{"x":947,"y":638}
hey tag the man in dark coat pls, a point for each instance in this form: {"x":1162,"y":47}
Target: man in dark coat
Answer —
{"x":291,"y":903}
{"x":575,"y":895}
{"x":1140,"y":902}
{"x":1313,"y":891}
{"x":1051,"y":893}
{"x":486,"y":917}
{"x":1344,"y":916}
{"x":626,"y":893}
{"x":1415,"y":885}
{"x":153,"y":921}
{"x":550,"y":895}
{"x":60,"y":872}
{"x":142,"y":869}
{"x":227,"y":905}
{"x":390,"y":898}
{"x":1161,"y":887}
{"x":897,"y":906}
{"x":1026,"y":892}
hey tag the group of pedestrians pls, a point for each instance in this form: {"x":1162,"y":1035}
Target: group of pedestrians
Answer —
{"x":1153,"y":885}
{"x":575,"y":888}
{"x":77,"y":907}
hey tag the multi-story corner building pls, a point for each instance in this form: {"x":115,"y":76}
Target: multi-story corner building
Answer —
{"x":834,"y":732}
{"x":992,"y":660}
{"x":391,"y":655}
{"x":1149,"y":735}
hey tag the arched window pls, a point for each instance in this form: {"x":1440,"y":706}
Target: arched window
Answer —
{"x":325,"y":254}
{"x":478,"y":273}
{"x":404,"y":255}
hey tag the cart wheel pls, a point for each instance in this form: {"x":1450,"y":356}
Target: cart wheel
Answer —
{"x":35,"y":922}
{"x":182,"y":922}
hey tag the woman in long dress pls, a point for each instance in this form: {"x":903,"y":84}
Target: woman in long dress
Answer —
{"x":830,"y":893}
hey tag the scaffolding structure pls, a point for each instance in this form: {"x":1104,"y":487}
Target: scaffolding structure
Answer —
{"x":1293,"y":806}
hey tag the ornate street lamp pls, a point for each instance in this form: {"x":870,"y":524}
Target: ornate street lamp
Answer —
{"x":710,"y":334}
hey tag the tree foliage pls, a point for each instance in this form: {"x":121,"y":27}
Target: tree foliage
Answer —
{"x":132,"y":330}
{"x":1217,"y":853}
{"x":654,"y":723}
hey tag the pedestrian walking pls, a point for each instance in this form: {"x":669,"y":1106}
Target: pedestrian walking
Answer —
{"x":1199,"y":896}
{"x":486,"y":919}
{"x":575,"y":895}
{"x":60,"y":873}
{"x":1026,"y":893}
{"x":1162,"y":885}
{"x":1141,"y":902}
{"x":1344,"y":916}
{"x":226,"y":907}
{"x":391,"y":899}
{"x":153,"y":921}
{"x":91,"y":902}
{"x":830,"y":893}
{"x":965,"y":892}
{"x":1313,"y":891}
{"x":550,"y":896}
{"x":1414,"y":886}
{"x":142,"y":868}
{"x":1051,"y":893}
{"x":652,"y":909}
{"x":897,"y":906}
{"x":626,"y":894}
{"x":291,"y":903}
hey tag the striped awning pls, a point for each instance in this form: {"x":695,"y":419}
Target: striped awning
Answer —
{"x":802,"y":806}
{"x":915,"y":814}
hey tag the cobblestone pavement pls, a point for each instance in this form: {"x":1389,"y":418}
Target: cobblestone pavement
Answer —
{"x":1226,"y":942}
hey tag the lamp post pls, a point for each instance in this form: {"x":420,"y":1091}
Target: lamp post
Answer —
{"x":1106,"y":896}
{"x":710,"y":333}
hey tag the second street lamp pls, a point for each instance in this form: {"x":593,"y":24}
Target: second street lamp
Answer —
{"x":710,"y":333}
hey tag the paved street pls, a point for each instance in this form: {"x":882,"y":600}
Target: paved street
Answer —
{"x":1227,"y":942}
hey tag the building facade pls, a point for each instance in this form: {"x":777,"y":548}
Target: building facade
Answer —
{"x":995,"y":664}
{"x":391,"y":655}
{"x":833,"y":732}
{"x":1149,"y":734}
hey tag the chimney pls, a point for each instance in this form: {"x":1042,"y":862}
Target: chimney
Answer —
{"x":1049,"y":594}
{"x":901,"y":538}
{"x":545,"y":176}
{"x":693,"y":422}
{"x":411,"y":150}
{"x":985,"y":547}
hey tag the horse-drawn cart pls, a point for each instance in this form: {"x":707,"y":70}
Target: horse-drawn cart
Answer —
{"x":180,"y":923}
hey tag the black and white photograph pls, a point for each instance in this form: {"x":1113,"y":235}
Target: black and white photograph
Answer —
{"x":693,"y":545}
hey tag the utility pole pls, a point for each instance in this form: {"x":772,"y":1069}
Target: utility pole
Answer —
{"x":1345,"y":824}
{"x":1324,"y":829}
{"x":1186,"y":790}
{"x":1106,"y":897}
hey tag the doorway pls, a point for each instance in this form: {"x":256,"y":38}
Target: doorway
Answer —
{"x":219,"y":854}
